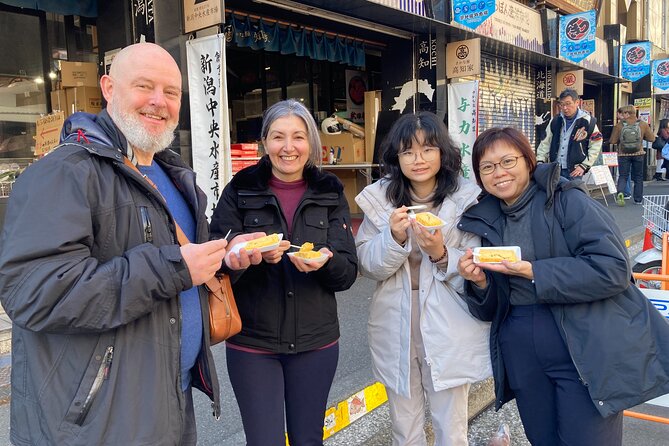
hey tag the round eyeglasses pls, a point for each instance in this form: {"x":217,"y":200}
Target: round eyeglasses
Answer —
{"x":506,"y":163}
{"x":411,"y":156}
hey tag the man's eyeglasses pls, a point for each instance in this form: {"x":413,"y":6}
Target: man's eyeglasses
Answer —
{"x":411,"y":156}
{"x":506,"y":163}
{"x":566,"y":104}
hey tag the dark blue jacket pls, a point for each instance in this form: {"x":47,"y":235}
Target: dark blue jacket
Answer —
{"x":618,"y":341}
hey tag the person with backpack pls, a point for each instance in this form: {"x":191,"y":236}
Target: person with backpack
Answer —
{"x":629,"y":135}
{"x":572,"y":138}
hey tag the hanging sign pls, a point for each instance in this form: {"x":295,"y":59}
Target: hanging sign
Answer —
{"x":463,"y":107}
{"x":471,"y":13}
{"x":463,"y":58}
{"x":572,"y":79}
{"x":209,"y":115}
{"x":577,"y":35}
{"x":636,"y":60}
{"x":661,"y":74}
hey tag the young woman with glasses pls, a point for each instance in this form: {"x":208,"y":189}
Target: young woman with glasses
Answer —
{"x":423,"y":340}
{"x":572,"y":339}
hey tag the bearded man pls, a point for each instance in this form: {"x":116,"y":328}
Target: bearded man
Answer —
{"x":110,"y":321}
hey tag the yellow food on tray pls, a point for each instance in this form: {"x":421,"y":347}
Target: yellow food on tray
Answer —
{"x":492,"y":255}
{"x":261,"y":242}
{"x":307,"y":254}
{"x":427,"y":219}
{"x":307,"y":251}
{"x":307,"y":246}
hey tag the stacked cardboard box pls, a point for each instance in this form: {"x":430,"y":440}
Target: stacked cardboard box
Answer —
{"x":243,"y":155}
{"x":80,"y":89}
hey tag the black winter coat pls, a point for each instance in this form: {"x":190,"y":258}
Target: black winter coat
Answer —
{"x":90,"y":274}
{"x":617,"y":340}
{"x":284,"y":310}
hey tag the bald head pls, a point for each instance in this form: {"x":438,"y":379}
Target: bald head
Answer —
{"x":143,"y":93}
{"x":133,"y":56}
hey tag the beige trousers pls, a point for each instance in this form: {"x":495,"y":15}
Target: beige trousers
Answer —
{"x":447,"y":407}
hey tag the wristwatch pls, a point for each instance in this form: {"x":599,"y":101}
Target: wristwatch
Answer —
{"x":584,"y":167}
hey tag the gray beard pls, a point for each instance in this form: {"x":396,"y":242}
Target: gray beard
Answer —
{"x":138,"y":137}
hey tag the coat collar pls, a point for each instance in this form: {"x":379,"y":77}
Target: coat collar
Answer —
{"x":257,"y":178}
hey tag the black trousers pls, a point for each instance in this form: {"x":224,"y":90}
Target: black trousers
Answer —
{"x":555,"y":407}
{"x":267,"y":386}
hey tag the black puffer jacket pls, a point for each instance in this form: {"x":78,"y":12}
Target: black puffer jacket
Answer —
{"x":284,"y":310}
{"x":90,"y":274}
{"x":618,"y":341}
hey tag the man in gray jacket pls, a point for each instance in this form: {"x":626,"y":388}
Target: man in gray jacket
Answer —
{"x":110,"y":323}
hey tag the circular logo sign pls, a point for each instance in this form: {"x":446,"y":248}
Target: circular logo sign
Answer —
{"x":577,"y":28}
{"x":462,"y":51}
{"x":663,"y":68}
{"x":635,"y":55}
{"x":569,"y":79}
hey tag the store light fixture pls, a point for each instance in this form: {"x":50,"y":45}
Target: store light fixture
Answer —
{"x":52,"y":76}
{"x":335,"y":17}
{"x":39,"y":80}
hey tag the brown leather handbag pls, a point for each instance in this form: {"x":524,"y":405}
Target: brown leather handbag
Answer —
{"x":224,"y":318}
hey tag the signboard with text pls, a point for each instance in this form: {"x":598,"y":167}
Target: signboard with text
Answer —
{"x":200,"y":14}
{"x":661,"y":74}
{"x":463,"y":58}
{"x":471,"y":13}
{"x":47,"y":133}
{"x":210,"y":131}
{"x":635,"y":60}
{"x":463,"y":106}
{"x":577,"y":35}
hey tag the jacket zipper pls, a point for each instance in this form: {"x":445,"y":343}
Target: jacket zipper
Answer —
{"x":146,"y":223}
{"x":580,"y":376}
{"x":100,"y":377}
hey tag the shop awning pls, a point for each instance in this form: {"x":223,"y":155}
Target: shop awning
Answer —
{"x":85,"y":8}
{"x":417,"y":24}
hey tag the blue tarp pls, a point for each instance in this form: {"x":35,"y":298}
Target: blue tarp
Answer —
{"x":257,"y":34}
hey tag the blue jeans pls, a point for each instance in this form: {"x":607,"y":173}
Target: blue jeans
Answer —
{"x":633,"y":164}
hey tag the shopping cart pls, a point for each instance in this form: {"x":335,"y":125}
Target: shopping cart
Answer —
{"x":656,"y":223}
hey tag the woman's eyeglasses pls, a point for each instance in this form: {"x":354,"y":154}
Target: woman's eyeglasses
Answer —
{"x":506,"y":163}
{"x":411,"y":156}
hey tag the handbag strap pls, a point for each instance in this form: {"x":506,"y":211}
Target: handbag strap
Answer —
{"x":212,"y":284}
{"x":181,"y":236}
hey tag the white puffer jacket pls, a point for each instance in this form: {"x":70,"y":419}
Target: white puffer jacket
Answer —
{"x":456,"y":344}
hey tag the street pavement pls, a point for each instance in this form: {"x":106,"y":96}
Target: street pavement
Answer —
{"x":354,"y":373}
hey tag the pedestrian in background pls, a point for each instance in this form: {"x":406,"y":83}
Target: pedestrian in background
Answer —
{"x":287,"y":352}
{"x":629,"y":135}
{"x":425,"y":345}
{"x":110,"y":324}
{"x":572,"y":138}
{"x":572,"y":339}
{"x":627,"y":192}
{"x":661,"y":140}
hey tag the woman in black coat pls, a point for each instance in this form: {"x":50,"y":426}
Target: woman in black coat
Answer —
{"x":572,"y":339}
{"x":282,"y":364}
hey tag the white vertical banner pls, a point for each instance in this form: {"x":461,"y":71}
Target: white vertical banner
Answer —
{"x":463,"y":113}
{"x":210,"y":133}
